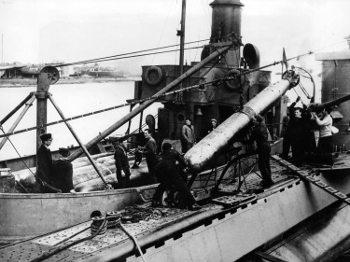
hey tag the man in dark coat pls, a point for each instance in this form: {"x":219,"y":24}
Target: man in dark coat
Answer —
{"x":122,"y":163}
{"x":298,"y":134}
{"x":63,"y":172}
{"x":260,"y":135}
{"x":150,"y":152}
{"x":169,"y":176}
{"x":44,"y":163}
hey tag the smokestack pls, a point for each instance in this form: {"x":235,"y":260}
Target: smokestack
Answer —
{"x":226,"y":20}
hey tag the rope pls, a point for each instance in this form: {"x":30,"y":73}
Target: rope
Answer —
{"x":142,"y":213}
{"x":70,"y":237}
{"x":136,"y":213}
{"x":97,"y":223}
{"x":134,"y":240}
{"x":20,"y":184}
{"x":99,"y":226}
{"x":59,"y":249}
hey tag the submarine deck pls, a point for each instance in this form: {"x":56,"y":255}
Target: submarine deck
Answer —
{"x":244,"y":221}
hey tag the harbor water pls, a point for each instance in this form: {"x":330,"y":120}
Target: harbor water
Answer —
{"x":73,"y":100}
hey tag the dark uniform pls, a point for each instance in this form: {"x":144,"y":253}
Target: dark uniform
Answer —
{"x":63,"y":175}
{"x":122,"y":163}
{"x":298,"y":135}
{"x":150,"y":154}
{"x":44,"y":167}
{"x":169,"y":176}
{"x":260,"y":135}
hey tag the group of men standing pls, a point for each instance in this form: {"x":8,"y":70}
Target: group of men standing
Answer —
{"x":299,"y":134}
{"x":166,"y":168}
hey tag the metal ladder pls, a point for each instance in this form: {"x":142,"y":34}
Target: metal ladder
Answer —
{"x":305,"y":176}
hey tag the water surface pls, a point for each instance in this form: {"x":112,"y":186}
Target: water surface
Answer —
{"x":73,"y":100}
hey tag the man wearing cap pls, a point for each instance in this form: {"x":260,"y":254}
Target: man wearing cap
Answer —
{"x":260,"y":135}
{"x":169,"y":176}
{"x":44,"y":163}
{"x":122,"y":163}
{"x":213,"y":125}
{"x":63,"y":172}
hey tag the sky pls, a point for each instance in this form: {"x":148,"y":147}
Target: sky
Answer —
{"x":39,"y":31}
{"x":45,"y":31}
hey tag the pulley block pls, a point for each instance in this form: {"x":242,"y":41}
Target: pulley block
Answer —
{"x":292,"y":77}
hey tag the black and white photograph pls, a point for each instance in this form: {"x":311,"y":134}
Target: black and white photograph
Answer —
{"x":174,"y":130}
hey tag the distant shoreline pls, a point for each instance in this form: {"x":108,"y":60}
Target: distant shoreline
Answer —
{"x":25,"y":82}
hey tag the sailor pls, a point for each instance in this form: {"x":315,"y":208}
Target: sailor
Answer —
{"x":150,"y":151}
{"x":140,"y":138}
{"x":297,"y":134}
{"x":188,"y":138}
{"x":122,"y":163}
{"x":63,"y":172}
{"x":289,"y":126}
{"x":44,"y":163}
{"x":213,"y":125}
{"x":169,"y":176}
{"x":325,"y":141}
{"x":260,"y":135}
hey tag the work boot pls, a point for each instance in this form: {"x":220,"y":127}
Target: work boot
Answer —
{"x":267,"y":184}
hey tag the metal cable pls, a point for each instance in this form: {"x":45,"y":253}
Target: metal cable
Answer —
{"x":110,"y":108}
{"x":107,"y":58}
{"x":130,"y":55}
{"x":2,"y":129}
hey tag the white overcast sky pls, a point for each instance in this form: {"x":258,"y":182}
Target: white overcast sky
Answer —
{"x":72,"y":30}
